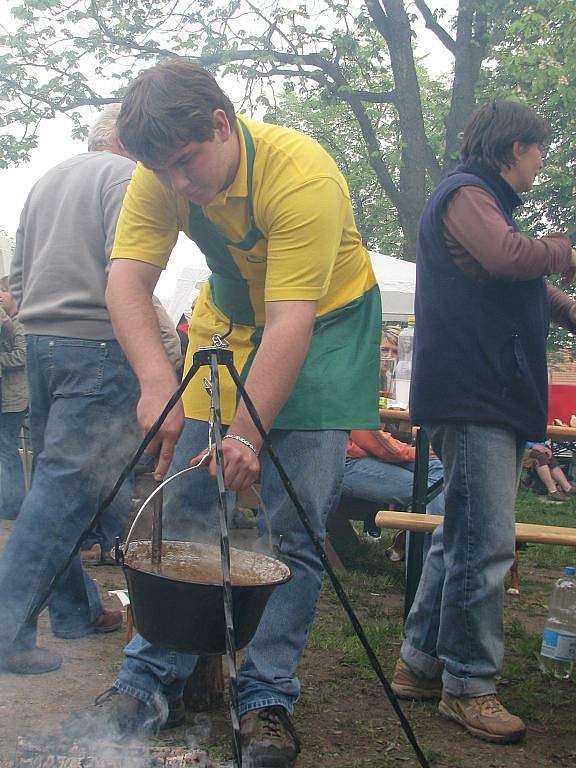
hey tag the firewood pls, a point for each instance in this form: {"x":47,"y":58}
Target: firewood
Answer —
{"x":43,"y":752}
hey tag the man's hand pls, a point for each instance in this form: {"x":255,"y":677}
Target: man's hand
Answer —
{"x":241,"y":465}
{"x":150,"y":406}
{"x":568,"y":276}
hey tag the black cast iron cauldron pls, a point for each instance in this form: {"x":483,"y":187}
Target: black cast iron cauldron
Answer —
{"x":178,"y":604}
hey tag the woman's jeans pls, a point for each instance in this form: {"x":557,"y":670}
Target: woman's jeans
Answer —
{"x":82,"y":417}
{"x":455,"y":626}
{"x":314,"y":462}
{"x":12,"y":486}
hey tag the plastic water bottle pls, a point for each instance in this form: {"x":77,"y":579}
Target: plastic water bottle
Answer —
{"x":403,"y":370}
{"x":558,"y":650}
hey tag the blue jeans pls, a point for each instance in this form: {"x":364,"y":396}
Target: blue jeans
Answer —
{"x":314,"y":462}
{"x":12,"y":487}
{"x":455,"y":626}
{"x":112,"y":523}
{"x":82,"y":418}
{"x":380,"y":481}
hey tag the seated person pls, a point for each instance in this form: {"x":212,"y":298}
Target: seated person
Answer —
{"x":380,"y":468}
{"x":545,"y":465}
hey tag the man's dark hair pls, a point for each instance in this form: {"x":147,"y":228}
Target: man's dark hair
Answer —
{"x":489,"y":136}
{"x":167,"y":106}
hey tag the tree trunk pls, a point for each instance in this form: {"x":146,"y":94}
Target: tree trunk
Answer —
{"x":470,"y":49}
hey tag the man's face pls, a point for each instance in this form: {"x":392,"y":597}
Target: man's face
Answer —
{"x":199,"y":170}
{"x":529,"y":162}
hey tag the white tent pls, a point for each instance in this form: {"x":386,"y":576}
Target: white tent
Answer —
{"x":396,"y":278}
{"x":397,"y":281}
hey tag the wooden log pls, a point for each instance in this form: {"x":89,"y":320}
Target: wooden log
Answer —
{"x":204,"y":689}
{"x":539,"y":534}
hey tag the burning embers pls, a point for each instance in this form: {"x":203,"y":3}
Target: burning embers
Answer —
{"x":55,"y":752}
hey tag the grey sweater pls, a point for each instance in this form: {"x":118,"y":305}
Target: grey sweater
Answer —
{"x":66,"y":233}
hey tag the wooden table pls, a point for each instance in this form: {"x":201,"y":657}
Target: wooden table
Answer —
{"x":561,"y":434}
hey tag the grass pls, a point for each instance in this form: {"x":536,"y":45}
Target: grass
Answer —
{"x":532,"y":509}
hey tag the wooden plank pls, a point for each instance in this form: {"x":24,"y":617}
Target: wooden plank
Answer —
{"x":541,"y":534}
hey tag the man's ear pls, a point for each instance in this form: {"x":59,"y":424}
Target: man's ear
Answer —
{"x":221,"y":124}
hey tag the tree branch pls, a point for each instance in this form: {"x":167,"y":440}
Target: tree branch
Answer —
{"x":123,"y":42}
{"x":432,"y":24}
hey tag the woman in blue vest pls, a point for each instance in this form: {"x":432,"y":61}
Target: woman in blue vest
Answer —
{"x":479,"y":387}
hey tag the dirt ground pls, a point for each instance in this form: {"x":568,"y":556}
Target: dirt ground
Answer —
{"x":344,"y":718}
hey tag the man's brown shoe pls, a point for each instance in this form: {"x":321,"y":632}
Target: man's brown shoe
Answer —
{"x":108,"y":621}
{"x":408,"y":685}
{"x":269,"y":739}
{"x":116,"y":715}
{"x":483,"y":717}
{"x":36,"y":661}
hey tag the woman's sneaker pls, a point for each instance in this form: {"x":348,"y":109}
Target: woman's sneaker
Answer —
{"x":484,"y":717}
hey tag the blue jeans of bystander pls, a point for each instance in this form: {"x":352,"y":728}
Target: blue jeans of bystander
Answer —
{"x":82,"y":415}
{"x":454,"y":628}
{"x":314,"y":462}
{"x":12,"y":486}
{"x":380,"y":481}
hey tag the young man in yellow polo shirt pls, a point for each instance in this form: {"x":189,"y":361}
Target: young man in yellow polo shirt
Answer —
{"x":272,"y":214}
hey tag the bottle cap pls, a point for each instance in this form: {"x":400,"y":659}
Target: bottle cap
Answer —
{"x":570,"y":570}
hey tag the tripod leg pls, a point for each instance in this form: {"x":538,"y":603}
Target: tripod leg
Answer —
{"x":225,"y":558}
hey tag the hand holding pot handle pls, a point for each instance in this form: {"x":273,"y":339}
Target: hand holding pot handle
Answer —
{"x":241,"y":464}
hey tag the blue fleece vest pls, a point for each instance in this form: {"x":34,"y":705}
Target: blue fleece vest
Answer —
{"x":479,"y":347}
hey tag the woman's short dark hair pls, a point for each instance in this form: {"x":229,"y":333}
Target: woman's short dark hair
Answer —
{"x":167,"y":106}
{"x":490,"y":134}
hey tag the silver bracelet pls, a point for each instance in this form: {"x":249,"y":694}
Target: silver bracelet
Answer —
{"x":242,"y":440}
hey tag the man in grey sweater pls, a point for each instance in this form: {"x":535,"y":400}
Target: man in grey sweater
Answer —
{"x":82,"y":390}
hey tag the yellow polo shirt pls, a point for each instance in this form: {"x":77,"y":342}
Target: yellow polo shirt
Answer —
{"x":309,"y":249}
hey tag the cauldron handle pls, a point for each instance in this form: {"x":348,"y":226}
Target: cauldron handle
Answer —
{"x":156,"y":491}
{"x":183,"y":472}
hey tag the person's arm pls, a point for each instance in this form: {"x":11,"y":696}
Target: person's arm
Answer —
{"x":129,"y":299}
{"x":562,"y":308}
{"x":383,"y":446}
{"x":282,"y":351}
{"x":143,"y":239}
{"x":475,"y":229}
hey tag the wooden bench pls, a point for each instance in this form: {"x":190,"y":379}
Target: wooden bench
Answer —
{"x":525,"y":532}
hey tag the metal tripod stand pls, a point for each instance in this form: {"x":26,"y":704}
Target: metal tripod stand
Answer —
{"x":214,"y":356}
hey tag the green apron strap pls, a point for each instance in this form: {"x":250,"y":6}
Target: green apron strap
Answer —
{"x":198,"y":219}
{"x":230,"y":290}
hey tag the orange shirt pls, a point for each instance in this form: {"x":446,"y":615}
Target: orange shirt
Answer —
{"x":380,"y":444}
